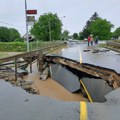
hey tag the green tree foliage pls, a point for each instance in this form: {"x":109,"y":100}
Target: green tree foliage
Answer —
{"x":65,"y":35}
{"x":8,"y":34}
{"x":47,"y":23}
{"x":98,"y":27}
{"x":101,"y":28}
{"x":4,"y":34}
{"x":81,"y":36}
{"x":116,"y":33}
{"x":14,"y":34}
{"x":19,"y":40}
{"x":86,"y":32}
{"x":94,"y":16}
{"x":75,"y":36}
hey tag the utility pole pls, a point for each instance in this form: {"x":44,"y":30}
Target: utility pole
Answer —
{"x":50,"y":31}
{"x":61,"y":35}
{"x":28,"y":49}
{"x":61,"y":28}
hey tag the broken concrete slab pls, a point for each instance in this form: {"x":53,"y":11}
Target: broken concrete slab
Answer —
{"x":86,"y":50}
{"x":64,"y":77}
{"x":44,"y":74}
{"x":21,"y":71}
{"x":113,"y":96}
{"x":97,"y":88}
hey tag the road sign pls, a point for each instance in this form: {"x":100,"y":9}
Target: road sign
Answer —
{"x":31,"y":12}
{"x":30,"y":23}
{"x":30,"y":18}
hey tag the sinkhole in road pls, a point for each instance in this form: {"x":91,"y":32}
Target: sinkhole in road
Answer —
{"x":78,"y":86}
{"x":75,"y":81}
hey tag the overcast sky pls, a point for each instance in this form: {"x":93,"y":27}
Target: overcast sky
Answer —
{"x":76,"y":12}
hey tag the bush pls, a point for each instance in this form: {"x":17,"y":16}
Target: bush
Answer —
{"x":22,"y":46}
{"x":19,"y":40}
{"x":13,"y":46}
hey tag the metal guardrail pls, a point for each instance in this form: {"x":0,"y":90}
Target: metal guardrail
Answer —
{"x":29,"y":56}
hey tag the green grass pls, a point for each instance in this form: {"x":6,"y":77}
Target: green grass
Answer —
{"x":21,"y":46}
{"x":12,"y":46}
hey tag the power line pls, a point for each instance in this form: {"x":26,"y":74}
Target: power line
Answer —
{"x":11,"y":24}
{"x":44,"y":6}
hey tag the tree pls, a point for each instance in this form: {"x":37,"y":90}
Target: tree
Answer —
{"x":19,"y":40}
{"x":8,"y":35}
{"x":81,"y":36}
{"x":116,"y":33}
{"x":4,"y":34}
{"x":48,"y":25}
{"x":14,"y":34}
{"x":94,"y":17}
{"x":86,"y":31}
{"x":75,"y":36}
{"x":65,"y":34}
{"x":101,"y":28}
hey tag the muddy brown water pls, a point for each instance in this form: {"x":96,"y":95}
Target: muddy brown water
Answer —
{"x":51,"y":88}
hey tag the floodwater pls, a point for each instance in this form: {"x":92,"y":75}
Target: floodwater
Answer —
{"x":51,"y":88}
{"x":64,"y":82}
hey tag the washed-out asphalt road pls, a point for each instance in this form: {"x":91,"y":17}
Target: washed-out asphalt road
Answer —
{"x":16,"y":104}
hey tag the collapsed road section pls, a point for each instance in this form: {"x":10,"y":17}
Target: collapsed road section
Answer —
{"x":110,"y":76}
{"x":95,"y":81}
{"x":91,"y":81}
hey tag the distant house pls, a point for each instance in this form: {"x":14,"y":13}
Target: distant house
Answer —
{"x":31,"y":37}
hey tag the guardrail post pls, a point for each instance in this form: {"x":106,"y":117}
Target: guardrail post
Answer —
{"x":30,"y":65}
{"x":15,"y":69}
{"x":38,"y":60}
